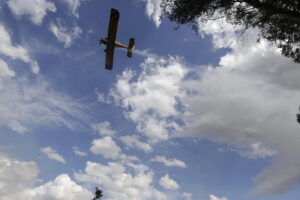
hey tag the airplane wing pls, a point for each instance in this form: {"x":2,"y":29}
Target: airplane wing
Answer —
{"x":111,"y":38}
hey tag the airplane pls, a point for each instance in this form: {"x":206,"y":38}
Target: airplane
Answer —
{"x":111,"y":42}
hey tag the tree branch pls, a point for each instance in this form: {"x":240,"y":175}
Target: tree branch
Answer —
{"x":292,"y":15}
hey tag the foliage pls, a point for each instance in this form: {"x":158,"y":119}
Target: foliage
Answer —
{"x":298,"y":116}
{"x":277,"y":20}
{"x":98,"y":194}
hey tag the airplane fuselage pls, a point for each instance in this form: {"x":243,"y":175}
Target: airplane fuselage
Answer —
{"x":110,"y":40}
{"x":117,"y":44}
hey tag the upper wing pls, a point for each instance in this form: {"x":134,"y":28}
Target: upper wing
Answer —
{"x":111,"y":38}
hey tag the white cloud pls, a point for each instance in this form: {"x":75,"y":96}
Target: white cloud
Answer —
{"x":256,"y":87}
{"x":106,"y":147}
{"x":259,"y":88}
{"x":118,"y":183}
{"x":15,"y":51}
{"x":18,"y":180}
{"x":5,"y":71}
{"x":73,"y":6}
{"x":169,"y":162}
{"x":103,"y":128}
{"x":62,"y":187}
{"x":101,"y":97}
{"x":25,"y":104}
{"x":154,"y":11}
{"x":17,"y":127}
{"x":258,"y":151}
{"x":223,"y":33}
{"x":78,"y":152}
{"x":168,"y":183}
{"x":133,"y":141}
{"x":150,"y":99}
{"x":35,"y":9}
{"x":187,"y":196}
{"x":248,"y":101}
{"x":65,"y":34}
{"x":16,"y":176}
{"x":52,"y":154}
{"x":213,"y":197}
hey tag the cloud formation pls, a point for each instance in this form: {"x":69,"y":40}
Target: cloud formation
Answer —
{"x":35,"y":9}
{"x":133,"y":141}
{"x":151,"y":99}
{"x":18,"y":180}
{"x":15,"y":51}
{"x":213,"y":197}
{"x":169,"y":162}
{"x":65,"y":34}
{"x":249,"y":101}
{"x":25,"y":104}
{"x":106,"y":147}
{"x":62,"y":187}
{"x":154,"y":11}
{"x":118,"y":183}
{"x":5,"y":71}
{"x":187,"y":196}
{"x":224,"y":35}
{"x":168,"y":183}
{"x":73,"y":6}
{"x":78,"y":152}
{"x":52,"y":154}
{"x":16,"y":176}
{"x":103,"y":128}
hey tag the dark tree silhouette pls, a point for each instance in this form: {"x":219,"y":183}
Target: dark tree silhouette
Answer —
{"x":277,"y":20}
{"x":298,"y":116}
{"x":98,"y":194}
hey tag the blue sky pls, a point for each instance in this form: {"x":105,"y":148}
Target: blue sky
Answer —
{"x":196,"y":117}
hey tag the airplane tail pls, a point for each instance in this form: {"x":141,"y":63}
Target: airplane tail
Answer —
{"x":130,"y":47}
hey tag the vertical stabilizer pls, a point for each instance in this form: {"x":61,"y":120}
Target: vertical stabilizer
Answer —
{"x":130,"y":47}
